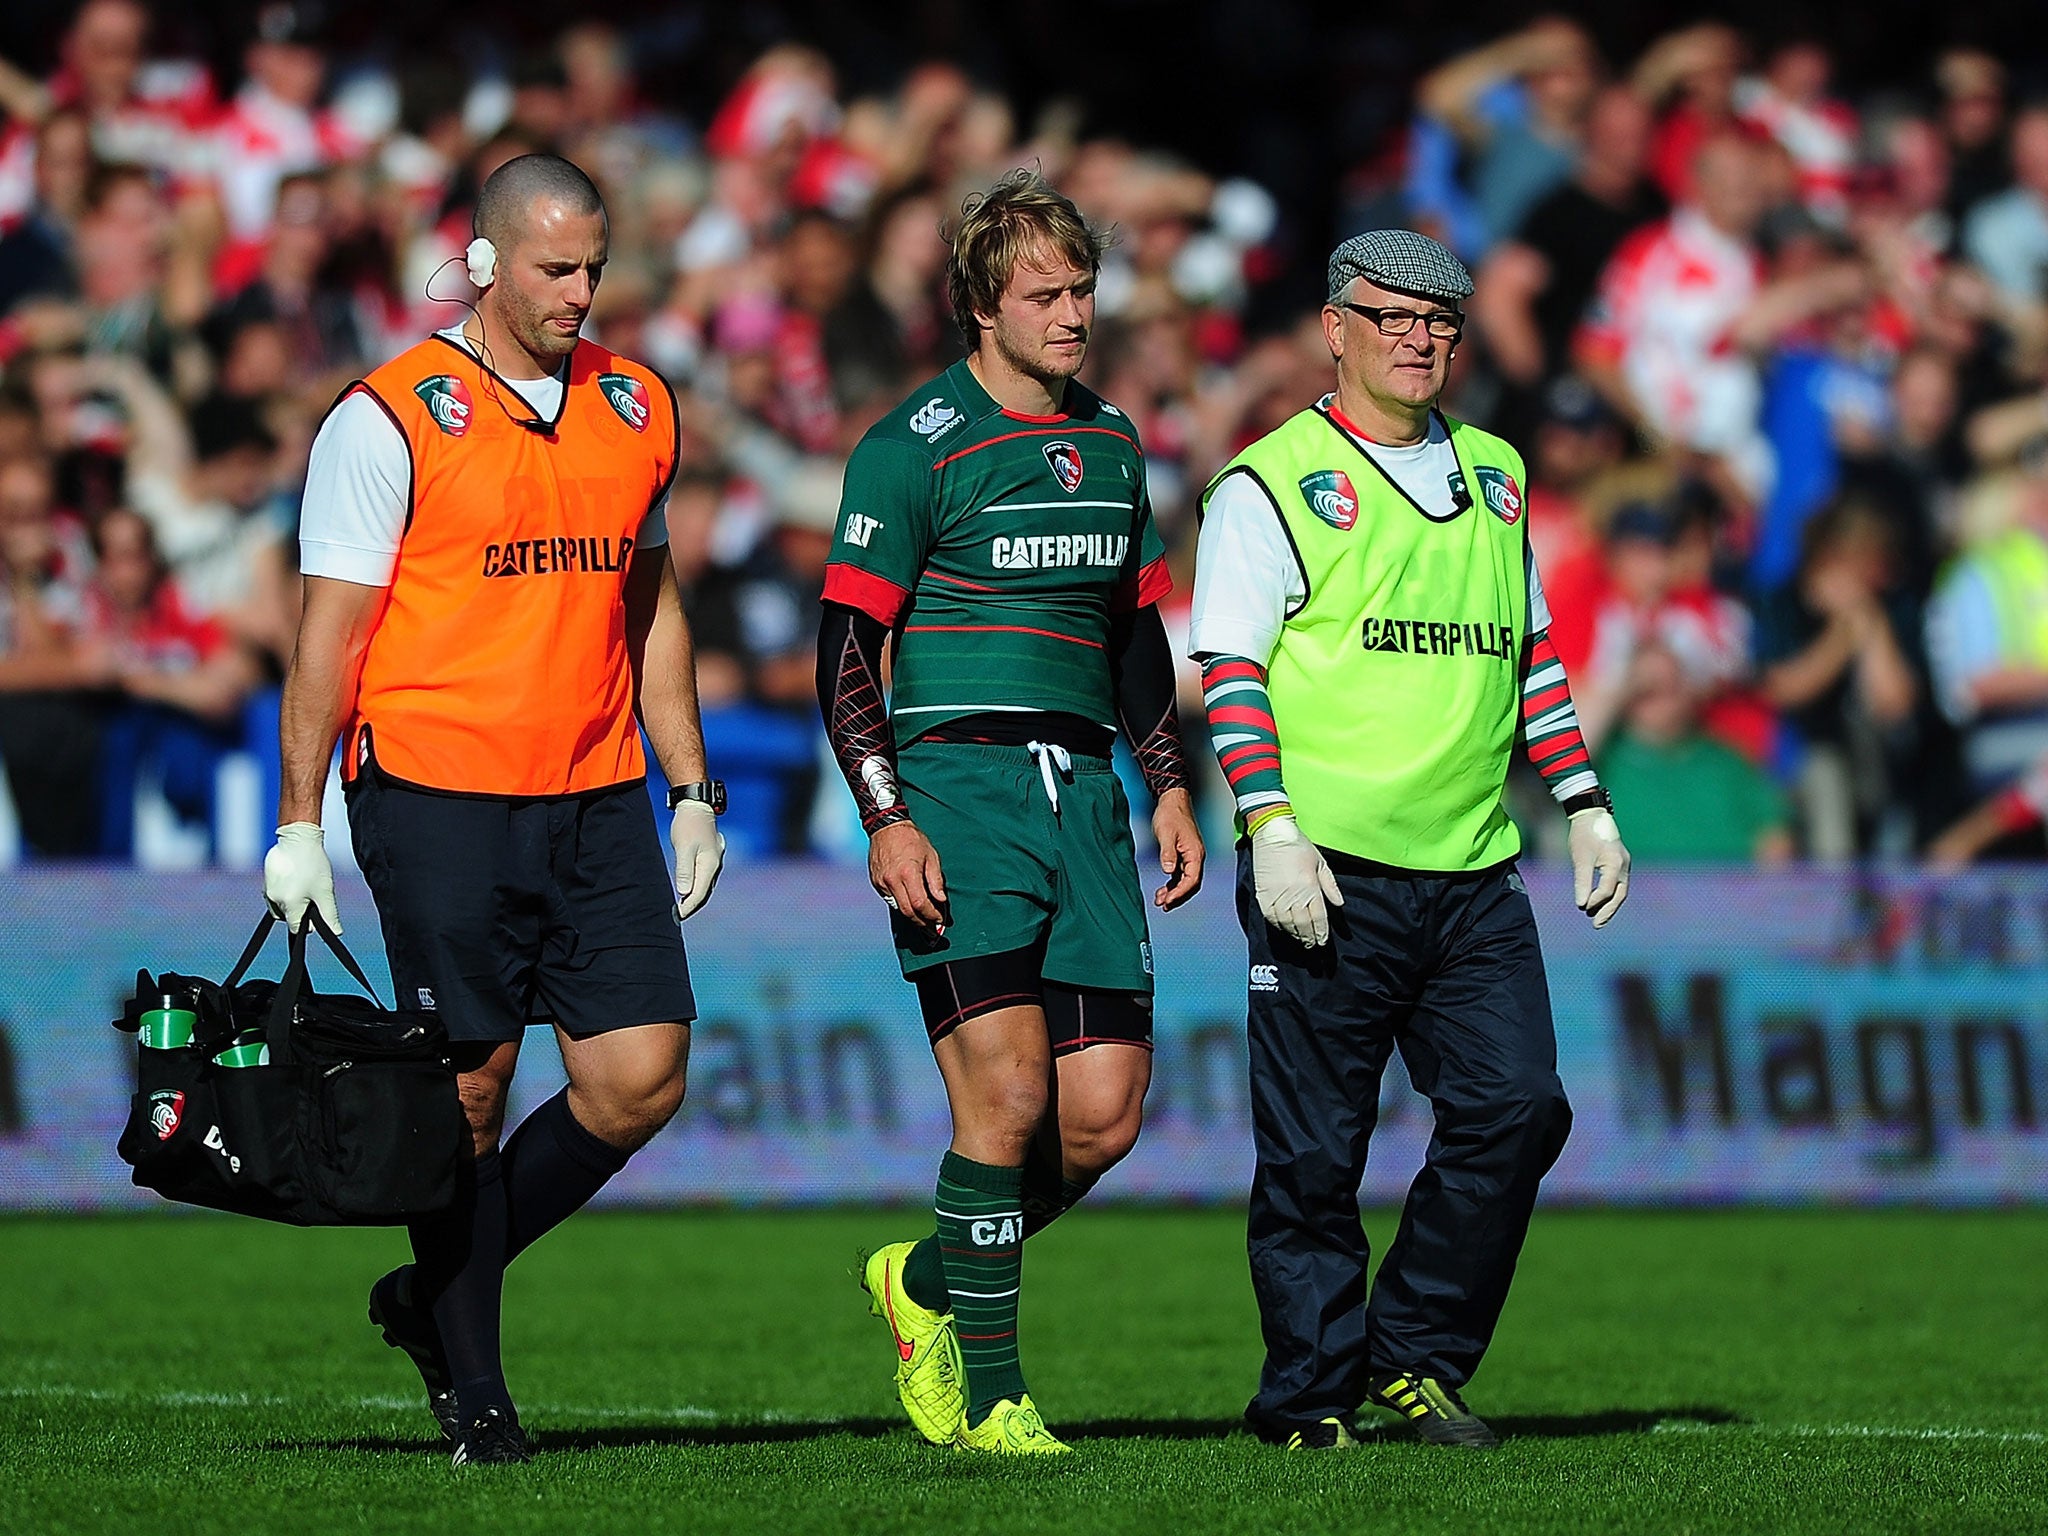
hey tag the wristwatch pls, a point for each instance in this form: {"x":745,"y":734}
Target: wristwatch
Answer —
{"x":1594,"y":799}
{"x":710,"y":791}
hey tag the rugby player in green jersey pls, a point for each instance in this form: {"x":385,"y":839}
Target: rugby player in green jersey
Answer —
{"x":995,"y":528}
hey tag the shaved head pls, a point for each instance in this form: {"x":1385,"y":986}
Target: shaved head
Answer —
{"x":505,"y":207}
{"x":548,"y":225}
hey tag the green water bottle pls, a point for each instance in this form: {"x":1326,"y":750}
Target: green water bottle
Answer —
{"x":168,"y":1026}
{"x":249,"y":1050}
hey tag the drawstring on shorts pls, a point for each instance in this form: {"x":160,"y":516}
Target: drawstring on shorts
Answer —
{"x":1054,"y":764}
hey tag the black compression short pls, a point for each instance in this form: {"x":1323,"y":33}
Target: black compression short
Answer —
{"x":1075,"y":1017}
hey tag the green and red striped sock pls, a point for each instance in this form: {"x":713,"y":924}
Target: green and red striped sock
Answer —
{"x":980,"y":1212}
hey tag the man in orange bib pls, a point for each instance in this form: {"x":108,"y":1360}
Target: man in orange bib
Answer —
{"x":489,"y":606}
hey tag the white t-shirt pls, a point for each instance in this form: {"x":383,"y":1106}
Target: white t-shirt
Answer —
{"x":1247,"y":580}
{"x":359,"y":484}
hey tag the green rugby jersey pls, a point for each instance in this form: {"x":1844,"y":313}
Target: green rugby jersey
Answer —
{"x":996,"y":545}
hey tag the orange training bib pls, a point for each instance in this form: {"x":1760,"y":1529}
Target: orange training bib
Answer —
{"x":499,"y":664}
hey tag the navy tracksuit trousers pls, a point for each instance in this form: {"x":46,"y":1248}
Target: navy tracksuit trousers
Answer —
{"x":1446,"y":969}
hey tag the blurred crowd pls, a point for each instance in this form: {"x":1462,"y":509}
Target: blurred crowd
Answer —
{"x":1778,"y":360}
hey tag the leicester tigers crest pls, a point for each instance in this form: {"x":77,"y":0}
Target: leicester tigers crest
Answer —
{"x":1065,"y":460}
{"x":1332,"y":497}
{"x":628,"y":396}
{"x":1503,"y":496}
{"x":447,"y":401}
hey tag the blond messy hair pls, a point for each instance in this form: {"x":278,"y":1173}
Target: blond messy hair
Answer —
{"x":1023,"y":217}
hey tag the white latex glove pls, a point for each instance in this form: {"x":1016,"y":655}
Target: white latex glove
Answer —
{"x":1599,"y":865}
{"x":296,"y":875}
{"x":1292,"y":882}
{"x":700,"y":854}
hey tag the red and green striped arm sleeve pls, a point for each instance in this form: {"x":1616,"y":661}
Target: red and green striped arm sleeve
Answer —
{"x":1246,"y":742}
{"x":1550,"y":725}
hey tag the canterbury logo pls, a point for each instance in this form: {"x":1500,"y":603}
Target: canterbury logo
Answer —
{"x":933,"y":418}
{"x":1265,"y":978}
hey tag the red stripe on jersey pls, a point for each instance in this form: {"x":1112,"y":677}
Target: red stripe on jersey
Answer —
{"x":997,"y":629}
{"x":1249,"y":749}
{"x":1242,"y":714}
{"x":1245,"y":771}
{"x":1153,"y":583}
{"x":1576,"y":759}
{"x":1038,"y":420}
{"x":880,"y":599}
{"x":955,"y":581}
{"x":990,"y":442}
{"x":1537,"y":703}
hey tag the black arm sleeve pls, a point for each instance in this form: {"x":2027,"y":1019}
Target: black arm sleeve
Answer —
{"x":1141,"y":665}
{"x":856,"y":718}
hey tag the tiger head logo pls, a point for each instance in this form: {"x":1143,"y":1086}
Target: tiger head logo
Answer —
{"x":166,"y":1111}
{"x":448,"y":401}
{"x":628,"y":396}
{"x":1332,"y":497}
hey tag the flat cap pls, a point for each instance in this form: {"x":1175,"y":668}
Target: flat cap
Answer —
{"x":1402,"y":260}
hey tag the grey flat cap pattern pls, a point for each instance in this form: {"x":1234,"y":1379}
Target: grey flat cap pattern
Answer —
{"x":1402,"y":260}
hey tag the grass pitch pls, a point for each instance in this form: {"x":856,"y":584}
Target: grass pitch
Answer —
{"x":717,"y":1372}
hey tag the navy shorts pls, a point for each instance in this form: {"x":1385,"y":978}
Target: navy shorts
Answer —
{"x":501,"y":913}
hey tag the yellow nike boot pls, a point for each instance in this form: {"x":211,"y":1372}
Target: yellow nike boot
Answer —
{"x":1012,"y":1428}
{"x":929,"y":1377}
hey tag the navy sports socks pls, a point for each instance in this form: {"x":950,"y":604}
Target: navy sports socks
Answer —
{"x":459,"y":1275}
{"x":553,"y":1165}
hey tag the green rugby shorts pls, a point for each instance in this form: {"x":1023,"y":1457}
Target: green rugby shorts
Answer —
{"x":1018,"y":872}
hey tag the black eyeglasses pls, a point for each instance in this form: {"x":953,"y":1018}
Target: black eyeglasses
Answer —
{"x":1444,"y":324}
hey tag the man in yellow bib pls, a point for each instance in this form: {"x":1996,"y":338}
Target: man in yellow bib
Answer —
{"x":1372,"y":633}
